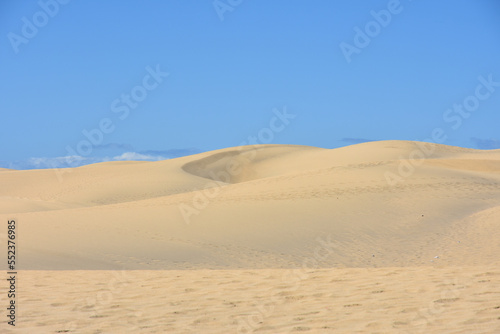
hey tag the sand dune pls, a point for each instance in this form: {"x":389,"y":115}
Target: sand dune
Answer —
{"x":255,"y":207}
{"x":408,"y":208}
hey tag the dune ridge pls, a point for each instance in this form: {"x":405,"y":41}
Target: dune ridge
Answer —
{"x":380,"y":237}
{"x":257,"y":207}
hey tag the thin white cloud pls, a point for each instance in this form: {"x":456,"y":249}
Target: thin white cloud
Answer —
{"x":70,"y":160}
{"x":56,"y":162}
{"x":138,"y":156}
{"x":77,"y":160}
{"x":74,"y":161}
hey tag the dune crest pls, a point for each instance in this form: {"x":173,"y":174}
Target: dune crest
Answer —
{"x":268,"y":206}
{"x":277,"y":238}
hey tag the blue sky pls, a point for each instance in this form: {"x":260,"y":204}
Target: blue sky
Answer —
{"x":204,"y":75}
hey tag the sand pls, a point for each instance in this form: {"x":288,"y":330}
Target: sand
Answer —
{"x":380,"y":237}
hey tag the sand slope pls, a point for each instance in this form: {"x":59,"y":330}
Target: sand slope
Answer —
{"x":270,"y":206}
{"x":381,"y":237}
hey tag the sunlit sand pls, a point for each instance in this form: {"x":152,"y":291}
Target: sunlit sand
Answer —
{"x":380,"y":237}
